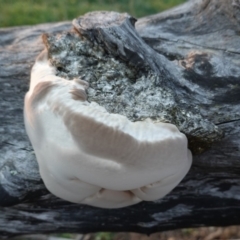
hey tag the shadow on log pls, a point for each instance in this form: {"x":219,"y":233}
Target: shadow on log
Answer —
{"x":197,"y":44}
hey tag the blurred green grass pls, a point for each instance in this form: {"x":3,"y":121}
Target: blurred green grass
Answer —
{"x":29,"y":12}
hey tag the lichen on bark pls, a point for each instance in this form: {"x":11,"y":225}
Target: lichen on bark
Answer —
{"x":136,"y":91}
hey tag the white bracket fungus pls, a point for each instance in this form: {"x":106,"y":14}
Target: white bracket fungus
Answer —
{"x":87,"y":155}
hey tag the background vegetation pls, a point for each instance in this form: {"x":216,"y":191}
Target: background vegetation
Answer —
{"x":29,"y":12}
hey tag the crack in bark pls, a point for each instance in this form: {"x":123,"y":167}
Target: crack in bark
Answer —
{"x":226,"y":122}
{"x":194,"y":44}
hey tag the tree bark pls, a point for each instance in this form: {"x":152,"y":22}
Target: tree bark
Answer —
{"x":195,"y":46}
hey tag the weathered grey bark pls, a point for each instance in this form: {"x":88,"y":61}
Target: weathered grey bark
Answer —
{"x":198,"y":44}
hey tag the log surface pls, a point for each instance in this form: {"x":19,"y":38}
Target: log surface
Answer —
{"x":200,"y":40}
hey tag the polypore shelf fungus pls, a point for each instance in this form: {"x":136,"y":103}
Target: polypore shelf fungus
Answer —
{"x":105,"y":123}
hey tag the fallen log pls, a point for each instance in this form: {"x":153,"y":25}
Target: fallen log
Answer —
{"x":195,"y":49}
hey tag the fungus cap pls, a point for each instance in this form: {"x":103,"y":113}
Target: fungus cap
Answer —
{"x":87,"y":155}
